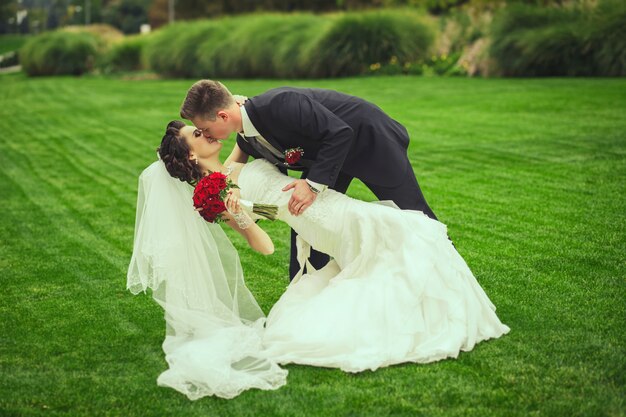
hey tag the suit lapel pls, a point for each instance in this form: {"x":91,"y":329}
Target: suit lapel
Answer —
{"x":262,"y":150}
{"x":268,"y":134}
{"x":260,"y":125}
{"x":247,"y":147}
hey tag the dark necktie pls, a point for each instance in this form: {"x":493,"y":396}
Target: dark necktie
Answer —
{"x":265,"y":153}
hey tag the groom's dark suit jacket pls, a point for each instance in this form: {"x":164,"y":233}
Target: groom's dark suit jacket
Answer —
{"x":338,"y":132}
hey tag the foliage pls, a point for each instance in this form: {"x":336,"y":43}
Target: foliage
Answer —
{"x":12,"y":43}
{"x":608,"y":38}
{"x":174,"y":50}
{"x":126,"y":55}
{"x":59,"y":53}
{"x":527,"y":174}
{"x":251,"y":50}
{"x":8,"y":11}
{"x":535,"y":41}
{"x":106,"y":34}
{"x":298,"y":45}
{"x":438,"y":6}
{"x":127,"y":15}
{"x":357,"y":40}
{"x":446,"y":65}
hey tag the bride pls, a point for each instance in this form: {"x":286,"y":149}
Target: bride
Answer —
{"x":395,"y":291}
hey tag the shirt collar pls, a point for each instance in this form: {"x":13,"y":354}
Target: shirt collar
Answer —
{"x":248,"y":127}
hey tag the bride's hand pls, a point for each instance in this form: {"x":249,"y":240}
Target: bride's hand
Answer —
{"x":232,"y":201}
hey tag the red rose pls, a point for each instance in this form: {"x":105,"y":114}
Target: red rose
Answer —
{"x":208,"y":186}
{"x":215,"y":206}
{"x":199,"y":196}
{"x":217,"y":175}
{"x":197,"y":200}
{"x":219,"y":180}
{"x":209,"y":217}
{"x":208,"y":196}
{"x":212,"y":187}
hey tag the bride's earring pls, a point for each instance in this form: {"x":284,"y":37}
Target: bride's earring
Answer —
{"x":196,"y":161}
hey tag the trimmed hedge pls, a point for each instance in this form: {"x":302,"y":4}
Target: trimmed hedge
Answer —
{"x":174,"y":51}
{"x":356,"y":41}
{"x":565,"y":41}
{"x":288,"y":45}
{"x":126,"y":55}
{"x":608,"y":38}
{"x":59,"y":53}
{"x":268,"y":46}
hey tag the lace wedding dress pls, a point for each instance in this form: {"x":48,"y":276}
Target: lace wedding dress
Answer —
{"x":213,"y":343}
{"x":396,"y":289}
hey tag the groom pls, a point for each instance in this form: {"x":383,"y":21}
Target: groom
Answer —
{"x":332,"y":137}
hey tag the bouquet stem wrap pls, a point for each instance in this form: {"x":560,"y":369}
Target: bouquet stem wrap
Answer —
{"x":266,"y":211}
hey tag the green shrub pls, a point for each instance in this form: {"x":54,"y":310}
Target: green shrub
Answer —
{"x":439,"y":6}
{"x":286,"y":45}
{"x":608,"y":38}
{"x":107,"y":35}
{"x":534,"y":41}
{"x":265,"y":45}
{"x":355,"y":41}
{"x":231,"y":50}
{"x":557,"y":41}
{"x":126,"y":55}
{"x":59,"y":53}
{"x":268,"y":45}
{"x":174,"y":50}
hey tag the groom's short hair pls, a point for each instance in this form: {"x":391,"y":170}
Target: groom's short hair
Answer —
{"x":204,"y":99}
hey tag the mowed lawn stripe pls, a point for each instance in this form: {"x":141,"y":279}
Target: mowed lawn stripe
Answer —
{"x":527,"y":174}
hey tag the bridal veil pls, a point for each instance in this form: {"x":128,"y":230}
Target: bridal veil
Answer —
{"x":213,"y":323}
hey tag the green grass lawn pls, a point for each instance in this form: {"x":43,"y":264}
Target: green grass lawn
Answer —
{"x":10,"y":43}
{"x":529,"y":175}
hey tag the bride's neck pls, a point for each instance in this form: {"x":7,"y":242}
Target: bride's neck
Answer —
{"x":212,"y":165}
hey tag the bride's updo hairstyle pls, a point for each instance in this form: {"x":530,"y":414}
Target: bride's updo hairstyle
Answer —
{"x":174,"y":152}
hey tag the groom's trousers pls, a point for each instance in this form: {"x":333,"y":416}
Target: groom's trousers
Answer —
{"x":407,"y":195}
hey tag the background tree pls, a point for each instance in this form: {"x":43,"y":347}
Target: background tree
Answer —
{"x":8,"y":17}
{"x":126,"y":15}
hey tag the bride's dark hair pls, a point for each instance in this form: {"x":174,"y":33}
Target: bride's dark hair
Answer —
{"x":174,"y":153}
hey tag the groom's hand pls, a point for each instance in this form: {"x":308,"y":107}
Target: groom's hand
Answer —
{"x":301,"y":198}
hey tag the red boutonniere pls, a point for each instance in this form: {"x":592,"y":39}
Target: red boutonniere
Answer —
{"x":293,"y":155}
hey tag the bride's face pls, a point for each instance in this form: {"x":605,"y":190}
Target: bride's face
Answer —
{"x":200,"y":145}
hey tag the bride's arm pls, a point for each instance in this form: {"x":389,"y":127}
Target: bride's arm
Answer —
{"x":257,"y":238}
{"x":237,"y":155}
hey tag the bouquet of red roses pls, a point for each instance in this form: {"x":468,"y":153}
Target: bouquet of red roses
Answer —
{"x":210,"y":193}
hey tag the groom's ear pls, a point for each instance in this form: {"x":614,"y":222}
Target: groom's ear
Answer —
{"x":223,"y":114}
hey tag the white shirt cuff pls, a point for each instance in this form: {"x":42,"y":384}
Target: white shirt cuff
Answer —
{"x":316,"y":185}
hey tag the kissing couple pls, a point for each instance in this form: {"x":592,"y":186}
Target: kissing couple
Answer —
{"x":372,"y":284}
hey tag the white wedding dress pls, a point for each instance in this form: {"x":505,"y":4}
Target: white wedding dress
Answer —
{"x":396,"y":290}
